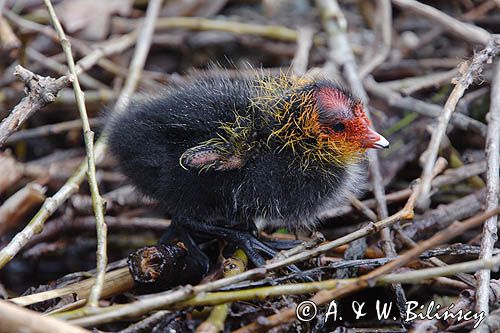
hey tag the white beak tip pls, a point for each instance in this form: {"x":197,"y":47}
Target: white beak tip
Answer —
{"x":382,"y":143}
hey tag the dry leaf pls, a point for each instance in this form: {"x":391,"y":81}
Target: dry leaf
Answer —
{"x":91,"y":17}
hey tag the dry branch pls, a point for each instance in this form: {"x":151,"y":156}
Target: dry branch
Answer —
{"x":395,"y":99}
{"x":469,"y":32}
{"x":215,"y":322}
{"x":50,"y":129}
{"x":304,"y":44}
{"x":94,"y":54}
{"x":36,"y":224}
{"x":97,"y":202}
{"x":490,"y":236}
{"x":471,"y":71}
{"x":8,"y":40}
{"x":382,"y":47}
{"x":15,"y":208}
{"x":12,"y":171}
{"x":40,"y":92}
{"x":53,"y":64}
{"x":115,"y":282}
{"x":18,"y":319}
{"x":449,"y":177}
{"x":198,"y":23}
{"x":140,"y":55}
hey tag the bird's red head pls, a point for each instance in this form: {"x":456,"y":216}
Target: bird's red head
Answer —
{"x":317,"y":120}
{"x":344,"y":121}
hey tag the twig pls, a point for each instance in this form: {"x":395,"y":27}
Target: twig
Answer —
{"x":54,"y":65}
{"x":395,"y":99}
{"x":18,"y":319}
{"x":97,"y":202}
{"x":117,"y":281}
{"x":315,"y":239}
{"x":366,"y":264}
{"x":215,"y":322}
{"x":51,"y":129}
{"x":165,"y":299}
{"x":449,"y":177}
{"x":110,"y":47}
{"x":140,"y":54}
{"x":12,"y":171}
{"x":197,"y":23}
{"x":490,"y":236}
{"x":464,"y":267}
{"x":8,"y":40}
{"x":359,"y":205}
{"x":48,"y":208}
{"x":468,"y":75}
{"x":480,"y":10}
{"x":146,"y":324}
{"x":18,"y":205}
{"x":408,"y":86}
{"x":467,"y":31}
{"x":464,"y":104}
{"x":380,"y":51}
{"x":332,"y":285}
{"x":77,"y":44}
{"x":304,"y":43}
{"x":101,"y":96}
{"x":162,"y":300}
{"x":303,"y":288}
{"x":40,"y":92}
{"x":87,"y":223}
{"x":439,"y":218}
{"x":261,"y":293}
{"x":468,"y":279}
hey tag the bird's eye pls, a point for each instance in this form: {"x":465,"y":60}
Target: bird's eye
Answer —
{"x":338,"y":127}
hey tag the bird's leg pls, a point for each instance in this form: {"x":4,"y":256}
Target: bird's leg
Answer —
{"x":276,"y":244}
{"x":282,"y":244}
{"x":243,"y":239}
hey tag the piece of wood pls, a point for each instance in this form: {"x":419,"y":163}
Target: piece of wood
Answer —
{"x":16,"y":319}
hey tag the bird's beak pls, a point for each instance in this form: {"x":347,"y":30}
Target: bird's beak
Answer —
{"x":375,"y":140}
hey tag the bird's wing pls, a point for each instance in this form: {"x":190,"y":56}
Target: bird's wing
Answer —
{"x":211,"y":156}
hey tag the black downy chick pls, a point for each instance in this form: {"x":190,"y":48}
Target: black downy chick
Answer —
{"x":222,"y":154}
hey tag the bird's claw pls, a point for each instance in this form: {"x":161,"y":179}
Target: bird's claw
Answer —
{"x":253,"y":245}
{"x":243,"y":239}
{"x":282,"y":244}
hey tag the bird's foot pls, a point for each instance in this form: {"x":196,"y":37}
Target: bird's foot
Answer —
{"x":282,"y":244}
{"x":254,"y":247}
{"x":243,"y":239}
